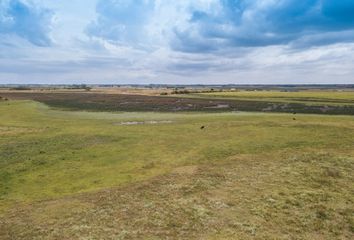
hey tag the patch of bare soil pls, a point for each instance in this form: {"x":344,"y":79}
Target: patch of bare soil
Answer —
{"x":143,"y":122}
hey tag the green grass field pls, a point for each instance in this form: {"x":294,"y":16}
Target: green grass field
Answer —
{"x":307,"y":97}
{"x":88,"y":175}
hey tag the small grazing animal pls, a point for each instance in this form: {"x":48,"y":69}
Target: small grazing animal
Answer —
{"x":294,"y":119}
{"x":202,"y":127}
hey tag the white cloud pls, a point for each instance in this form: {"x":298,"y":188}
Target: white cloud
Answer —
{"x":174,"y":42}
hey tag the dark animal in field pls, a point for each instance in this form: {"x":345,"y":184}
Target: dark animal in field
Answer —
{"x":202,"y":127}
{"x":294,"y":119}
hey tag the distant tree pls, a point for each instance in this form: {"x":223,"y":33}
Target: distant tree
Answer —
{"x":21,"y":88}
{"x":80,"y":86}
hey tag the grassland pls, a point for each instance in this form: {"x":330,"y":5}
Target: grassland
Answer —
{"x":320,"y":97}
{"x":90,"y":175}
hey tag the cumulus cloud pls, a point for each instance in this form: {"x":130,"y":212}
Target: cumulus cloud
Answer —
{"x":24,"y":19}
{"x":142,"y":23}
{"x":246,"y":23}
{"x":121,"y":21}
{"x":214,"y":25}
{"x":189,"y":41}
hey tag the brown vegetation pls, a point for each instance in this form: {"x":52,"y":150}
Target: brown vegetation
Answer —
{"x":94,"y":101}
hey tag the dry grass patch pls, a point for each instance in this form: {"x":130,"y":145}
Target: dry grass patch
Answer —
{"x":277,"y":196}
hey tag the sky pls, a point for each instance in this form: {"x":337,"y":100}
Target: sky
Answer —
{"x":177,"y":42}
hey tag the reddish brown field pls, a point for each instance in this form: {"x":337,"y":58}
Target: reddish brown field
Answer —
{"x":105,"y":101}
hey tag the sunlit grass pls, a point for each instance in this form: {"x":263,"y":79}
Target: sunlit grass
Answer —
{"x":46,"y":153}
{"x":308,"y":97}
{"x":244,"y":176}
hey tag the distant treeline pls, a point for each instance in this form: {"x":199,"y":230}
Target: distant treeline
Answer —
{"x":190,"y":91}
{"x":21,"y":88}
{"x":79,"y":86}
{"x":179,"y":86}
{"x":213,"y":90}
